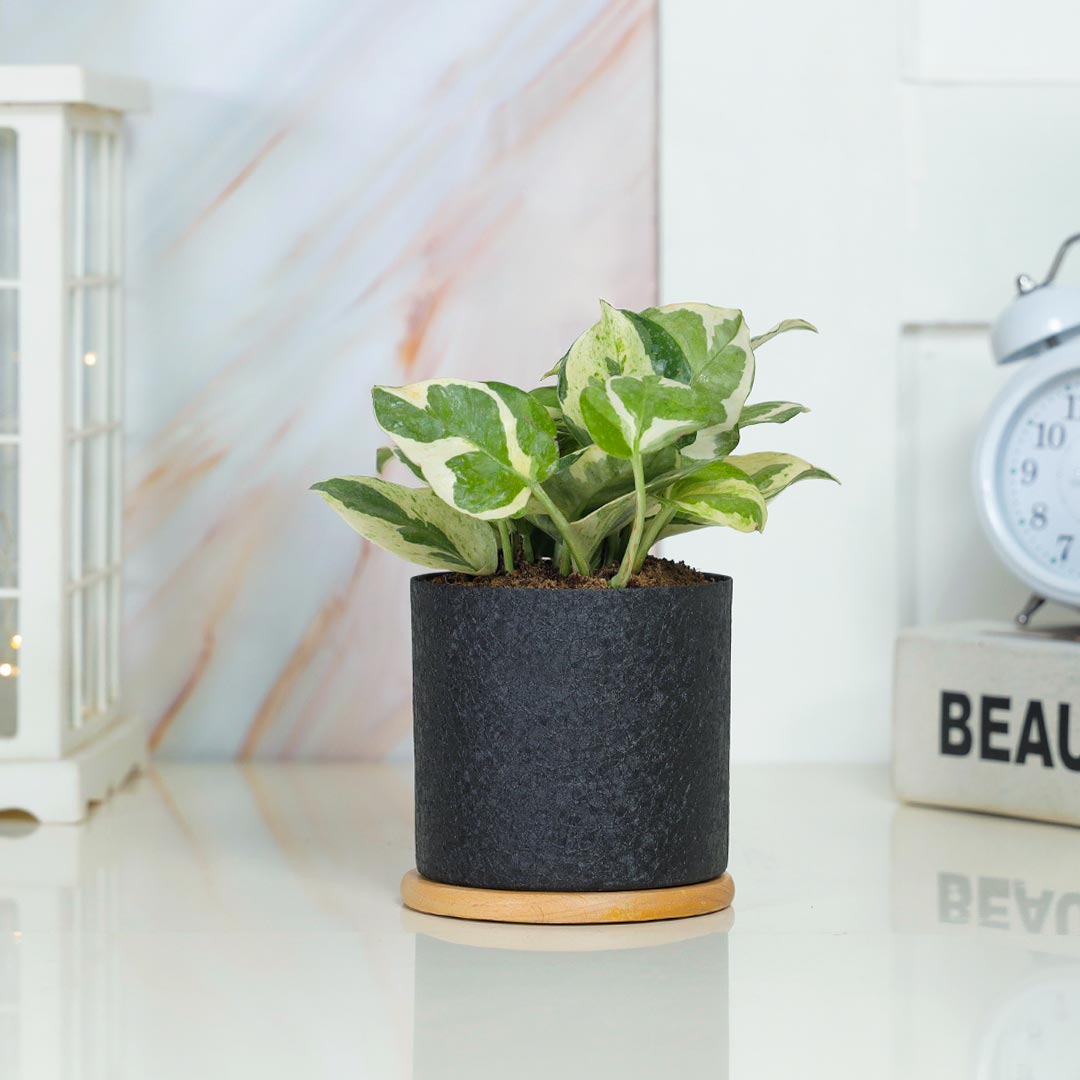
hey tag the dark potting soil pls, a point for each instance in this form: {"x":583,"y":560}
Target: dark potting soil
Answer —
{"x":654,"y":573}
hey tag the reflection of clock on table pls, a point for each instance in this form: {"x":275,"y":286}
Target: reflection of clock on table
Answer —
{"x":1034,"y":1033}
{"x":1027,"y":467}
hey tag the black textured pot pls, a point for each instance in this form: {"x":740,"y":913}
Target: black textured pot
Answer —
{"x":571,"y":740}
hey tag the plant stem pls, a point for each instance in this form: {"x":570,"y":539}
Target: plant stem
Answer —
{"x":611,"y":550}
{"x":507,"y":547}
{"x":657,"y":524}
{"x":630,"y":557}
{"x":526,"y":545}
{"x":558,"y":519}
{"x":562,"y":558}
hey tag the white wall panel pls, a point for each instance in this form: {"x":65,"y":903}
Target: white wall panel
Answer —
{"x":992,"y":40}
{"x":993,"y":185}
{"x":948,"y":570}
{"x":781,"y":194}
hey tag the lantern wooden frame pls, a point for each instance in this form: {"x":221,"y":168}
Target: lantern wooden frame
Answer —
{"x":67,"y":740}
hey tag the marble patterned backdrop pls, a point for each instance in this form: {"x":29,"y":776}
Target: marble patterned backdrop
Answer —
{"x":328,"y":194}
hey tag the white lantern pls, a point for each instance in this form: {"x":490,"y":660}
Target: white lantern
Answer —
{"x":64,"y":739}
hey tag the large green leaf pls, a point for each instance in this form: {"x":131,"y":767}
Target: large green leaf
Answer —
{"x":719,"y":494}
{"x":413,"y":523}
{"x":782,"y":327}
{"x":770,"y":412}
{"x":479,"y":445}
{"x":626,"y":416}
{"x":772,"y":473}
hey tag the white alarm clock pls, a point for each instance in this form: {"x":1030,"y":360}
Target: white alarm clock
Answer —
{"x":1027,"y":466}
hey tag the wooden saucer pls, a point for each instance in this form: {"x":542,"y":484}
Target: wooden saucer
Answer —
{"x":508,"y":906}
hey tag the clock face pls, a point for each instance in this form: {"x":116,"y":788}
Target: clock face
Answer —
{"x":1039,"y":476}
{"x":1028,"y":475}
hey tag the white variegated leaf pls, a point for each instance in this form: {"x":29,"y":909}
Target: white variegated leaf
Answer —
{"x":770,"y":412}
{"x":413,"y":523}
{"x":609,"y":347}
{"x":772,"y":472}
{"x":628,"y":416}
{"x":480,"y":445}
{"x":719,"y":494}
{"x":717,"y":344}
{"x":782,"y":327}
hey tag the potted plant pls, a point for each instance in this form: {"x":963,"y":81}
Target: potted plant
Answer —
{"x":571,"y":692}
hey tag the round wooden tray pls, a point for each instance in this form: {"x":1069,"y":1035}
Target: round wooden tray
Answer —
{"x":502,"y":905}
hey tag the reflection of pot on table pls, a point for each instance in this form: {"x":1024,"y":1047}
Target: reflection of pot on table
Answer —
{"x":640,"y":1001}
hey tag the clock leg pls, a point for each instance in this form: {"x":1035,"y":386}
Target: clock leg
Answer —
{"x":1034,"y":602}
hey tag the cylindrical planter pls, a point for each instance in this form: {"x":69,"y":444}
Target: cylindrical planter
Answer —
{"x":571,"y":740}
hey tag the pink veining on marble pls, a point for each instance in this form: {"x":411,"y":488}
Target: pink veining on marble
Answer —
{"x":395,"y":214}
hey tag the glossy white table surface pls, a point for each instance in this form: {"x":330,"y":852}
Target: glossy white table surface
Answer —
{"x":213,"y":921}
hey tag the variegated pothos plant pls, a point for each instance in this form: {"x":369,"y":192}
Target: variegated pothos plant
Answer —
{"x":634,"y":443}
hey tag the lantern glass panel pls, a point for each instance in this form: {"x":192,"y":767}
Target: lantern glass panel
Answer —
{"x":90,"y":666}
{"x":93,"y":165}
{"x":94,"y":505}
{"x":94,"y":437}
{"x":10,"y":645}
{"x":9,"y":516}
{"x":9,"y":359}
{"x":90,"y":358}
{"x":9,"y":211}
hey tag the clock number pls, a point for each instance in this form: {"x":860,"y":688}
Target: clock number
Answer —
{"x":1029,"y":470}
{"x":1050,"y":435}
{"x":1038,"y":516}
{"x":1066,"y":546}
{"x":1074,"y":408}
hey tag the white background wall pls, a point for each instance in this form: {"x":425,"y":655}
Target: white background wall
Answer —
{"x":884,"y":170}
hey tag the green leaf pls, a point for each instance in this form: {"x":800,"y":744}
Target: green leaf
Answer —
{"x":591,"y":530}
{"x":413,"y":523}
{"x":479,"y":445}
{"x":772,"y":473}
{"x":626,"y":416}
{"x":719,"y":494}
{"x":782,"y":328}
{"x":770,"y":412}
{"x":588,"y":479}
{"x":548,"y":396}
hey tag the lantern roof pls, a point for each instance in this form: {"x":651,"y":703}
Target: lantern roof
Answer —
{"x":69,"y":84}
